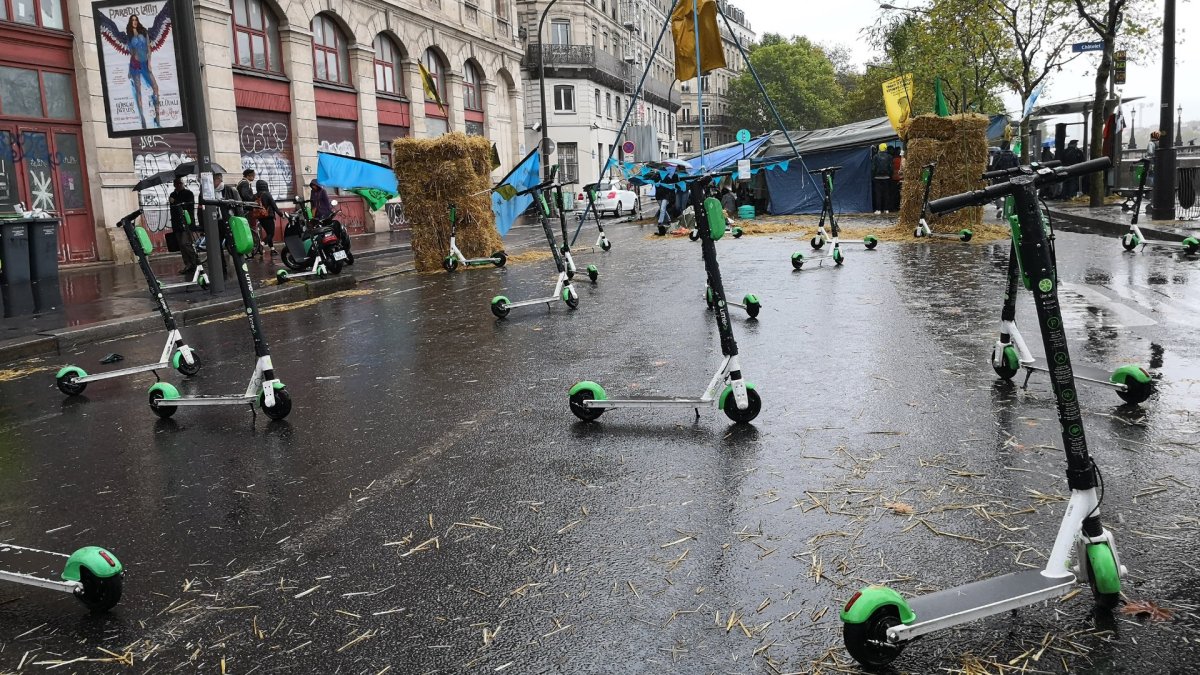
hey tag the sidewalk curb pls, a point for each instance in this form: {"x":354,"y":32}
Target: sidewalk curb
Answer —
{"x":1109,"y":227}
{"x":62,"y":340}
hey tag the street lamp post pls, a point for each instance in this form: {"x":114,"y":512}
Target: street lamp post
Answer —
{"x":1163,"y":205}
{"x":1179,"y":126}
{"x":1133,"y":128}
{"x":542,"y":85}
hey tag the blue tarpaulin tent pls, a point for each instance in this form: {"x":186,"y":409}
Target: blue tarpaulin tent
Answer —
{"x":849,"y":146}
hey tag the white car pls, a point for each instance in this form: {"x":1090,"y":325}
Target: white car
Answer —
{"x":614,"y":197}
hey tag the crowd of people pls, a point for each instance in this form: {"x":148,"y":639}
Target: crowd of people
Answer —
{"x":186,"y":227}
{"x":887,"y":167}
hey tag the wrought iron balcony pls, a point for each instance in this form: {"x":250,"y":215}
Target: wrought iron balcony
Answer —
{"x":585,"y":61}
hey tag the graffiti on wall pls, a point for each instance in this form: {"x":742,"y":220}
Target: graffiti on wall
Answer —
{"x":155,"y":153}
{"x":265,"y":140}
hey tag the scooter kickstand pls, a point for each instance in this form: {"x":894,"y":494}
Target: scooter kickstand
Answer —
{"x":697,"y":414}
{"x":1025,"y":384}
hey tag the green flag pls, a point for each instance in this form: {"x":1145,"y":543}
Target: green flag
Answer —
{"x":939,"y":104}
{"x":374,"y":197}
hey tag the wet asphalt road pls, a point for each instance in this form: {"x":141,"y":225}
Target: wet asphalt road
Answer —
{"x":432,"y":505}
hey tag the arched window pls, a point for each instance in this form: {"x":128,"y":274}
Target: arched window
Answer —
{"x":330,"y":59}
{"x":472,"y":96}
{"x":389,"y":75}
{"x":255,"y":37}
{"x":433,"y":63}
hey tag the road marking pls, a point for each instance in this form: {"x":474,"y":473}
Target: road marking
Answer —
{"x":1117,"y":313}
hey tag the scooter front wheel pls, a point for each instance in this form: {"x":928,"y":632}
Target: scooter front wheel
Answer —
{"x":605,"y":245}
{"x":1010,"y":363}
{"x":186,"y":369}
{"x":817,"y":242}
{"x":747,"y":415}
{"x":1130,"y":242}
{"x":569,"y":297}
{"x":283,"y":404}
{"x":499,"y":258}
{"x":450,"y":263}
{"x":99,"y":594}
{"x":867,"y":641}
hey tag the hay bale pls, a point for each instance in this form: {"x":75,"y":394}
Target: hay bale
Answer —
{"x":959,"y":146}
{"x":431,"y":175}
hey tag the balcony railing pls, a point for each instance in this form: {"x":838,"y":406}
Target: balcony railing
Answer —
{"x":598,"y":66}
{"x":710,"y":120}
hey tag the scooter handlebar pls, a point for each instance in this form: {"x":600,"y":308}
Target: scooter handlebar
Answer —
{"x":131,"y":216}
{"x":828,"y":169}
{"x":1016,"y":170}
{"x":1046,"y":176}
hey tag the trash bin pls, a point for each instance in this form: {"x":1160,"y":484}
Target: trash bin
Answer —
{"x":43,"y":249}
{"x":14,"y":251}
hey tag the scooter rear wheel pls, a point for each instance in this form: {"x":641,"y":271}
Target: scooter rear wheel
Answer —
{"x":99,"y":594}
{"x":499,"y":258}
{"x":67,"y":384}
{"x":867,"y":641}
{"x":582,"y":412}
{"x":163,"y":411}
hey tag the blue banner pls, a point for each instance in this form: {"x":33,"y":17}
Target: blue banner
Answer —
{"x":523,"y":176}
{"x":350,"y":173}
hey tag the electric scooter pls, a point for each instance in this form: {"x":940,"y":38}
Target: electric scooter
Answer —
{"x":199,"y":276}
{"x":964,"y":235}
{"x":818,"y":241}
{"x":590,"y":191}
{"x":750,"y":302}
{"x":456,"y":257}
{"x":72,"y":380}
{"x":563,"y":290}
{"x":877,"y":621}
{"x":1134,"y":237}
{"x":264,"y":388}
{"x":727,"y":390}
{"x":92,"y":574}
{"x":1132,"y":383}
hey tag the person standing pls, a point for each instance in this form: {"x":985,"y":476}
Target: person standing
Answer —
{"x":267,"y":222}
{"x":881,"y":176}
{"x":183,"y":217}
{"x":322,"y":205}
{"x":1151,"y":149}
{"x":245,"y":190}
{"x":663,"y":194}
{"x":1072,"y":155}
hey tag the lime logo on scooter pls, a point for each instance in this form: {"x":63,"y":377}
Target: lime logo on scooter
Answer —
{"x":1068,"y":395}
{"x":1045,"y":285}
{"x":1075,"y":430}
{"x":1060,"y":358}
{"x":1054,"y":323}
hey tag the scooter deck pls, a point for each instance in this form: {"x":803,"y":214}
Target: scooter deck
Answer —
{"x":180,"y":284}
{"x":979,"y":599}
{"x":216,"y":399}
{"x":33,"y":567}
{"x":646,"y":401}
{"x":1081,"y":371}
{"x":132,"y":370}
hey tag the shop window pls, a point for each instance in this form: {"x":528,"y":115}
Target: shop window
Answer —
{"x":255,"y":37}
{"x":42,"y":13}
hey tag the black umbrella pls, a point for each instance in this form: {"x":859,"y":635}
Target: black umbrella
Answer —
{"x":168,"y":177}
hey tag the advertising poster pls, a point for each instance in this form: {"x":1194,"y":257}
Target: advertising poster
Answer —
{"x":139,"y":67}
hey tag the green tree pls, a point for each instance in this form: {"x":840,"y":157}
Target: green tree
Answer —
{"x":945,"y":40}
{"x":864,"y":92}
{"x":1109,"y":19}
{"x":799,"y":78}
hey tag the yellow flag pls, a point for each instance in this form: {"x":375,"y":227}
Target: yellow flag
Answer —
{"x":430,"y":86}
{"x":712,"y":56}
{"x":897,"y":98}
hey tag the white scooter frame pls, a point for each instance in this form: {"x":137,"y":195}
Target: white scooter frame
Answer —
{"x":199,"y":278}
{"x":711,"y":396}
{"x":455,"y":257}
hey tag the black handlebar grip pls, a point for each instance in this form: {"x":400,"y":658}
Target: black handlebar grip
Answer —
{"x":1013,"y":171}
{"x":1083,"y":168}
{"x":828,"y":169}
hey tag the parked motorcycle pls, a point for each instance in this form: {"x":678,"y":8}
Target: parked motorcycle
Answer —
{"x":310,"y":243}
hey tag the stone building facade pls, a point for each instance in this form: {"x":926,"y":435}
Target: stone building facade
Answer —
{"x":718,"y":127}
{"x":282,"y":80}
{"x":595,"y":52}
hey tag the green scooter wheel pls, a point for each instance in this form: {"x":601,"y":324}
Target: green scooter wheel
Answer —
{"x":729,"y":405}
{"x":181,"y":364}
{"x":283,"y":403}
{"x":202,"y":282}
{"x":500,"y":306}
{"x":65,"y":379}
{"x":163,"y":392}
{"x":450,"y":263}
{"x":586,"y":391}
{"x":605,"y":245}
{"x":797,"y":260}
{"x":593,"y":272}
{"x":281,"y":276}
{"x":1190,"y":245}
{"x":753,"y":306}
{"x":964,"y":235}
{"x":99,"y":594}
{"x":867,"y":641}
{"x":1010,"y":363}
{"x":1103,"y":575}
{"x":870,"y":241}
{"x":1137,"y":382}
{"x":838,"y":258}
{"x":499,"y":258}
{"x":817,"y":242}
{"x":569,"y":297}
{"x":738,"y":232}
{"x":1130,"y":242}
